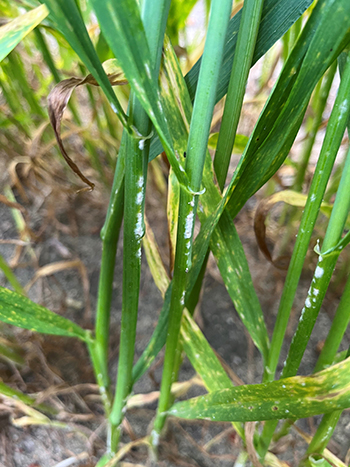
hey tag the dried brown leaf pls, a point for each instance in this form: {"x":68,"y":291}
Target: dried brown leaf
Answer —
{"x":249,"y":430}
{"x":58,"y":100}
{"x":11,"y":204}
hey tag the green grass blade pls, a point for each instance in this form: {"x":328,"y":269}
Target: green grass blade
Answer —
{"x":11,"y":277}
{"x":13,"y":32}
{"x":154,"y":16}
{"x":334,"y":133}
{"x":196,"y":152}
{"x":237,"y":277}
{"x":247,"y":35}
{"x":204,"y":360}
{"x":19,"y":311}
{"x":319,"y":107}
{"x":336,"y":332}
{"x":297,"y":397}
{"x":42,"y":46}
{"x":277,"y":17}
{"x":123,"y":29}
{"x":280,"y":121}
{"x":27,"y":400}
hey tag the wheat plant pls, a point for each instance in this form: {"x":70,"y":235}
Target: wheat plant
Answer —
{"x":169,"y":112}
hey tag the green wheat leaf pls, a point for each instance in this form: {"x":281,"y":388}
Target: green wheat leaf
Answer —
{"x":123,"y":29}
{"x":277,"y":17}
{"x":13,"y":32}
{"x":19,"y":311}
{"x":297,"y":397}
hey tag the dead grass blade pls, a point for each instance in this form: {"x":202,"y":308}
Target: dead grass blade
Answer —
{"x":249,"y":430}
{"x":58,"y":100}
{"x":12,"y":204}
{"x":58,"y":266}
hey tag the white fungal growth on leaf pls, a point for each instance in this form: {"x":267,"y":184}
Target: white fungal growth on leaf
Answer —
{"x":189,"y":225}
{"x":319,"y":272}
{"x":138,"y":228}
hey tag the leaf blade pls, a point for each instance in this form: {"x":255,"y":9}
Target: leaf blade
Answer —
{"x":19,"y":311}
{"x":12,"y":33}
{"x":297,"y":397}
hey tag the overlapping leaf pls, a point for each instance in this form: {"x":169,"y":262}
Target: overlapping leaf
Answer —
{"x":204,"y":360}
{"x":322,"y":40}
{"x":123,"y":29}
{"x":277,"y":17}
{"x":228,"y":249}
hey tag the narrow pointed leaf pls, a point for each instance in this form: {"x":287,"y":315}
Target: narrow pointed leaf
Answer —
{"x":318,"y":46}
{"x":13,"y":32}
{"x":277,"y":17}
{"x":297,"y":397}
{"x":19,"y":311}
{"x":225,"y":243}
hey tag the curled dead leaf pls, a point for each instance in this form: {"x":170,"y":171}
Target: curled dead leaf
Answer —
{"x":58,"y":100}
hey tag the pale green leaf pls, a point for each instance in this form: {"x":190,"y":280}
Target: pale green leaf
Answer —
{"x":13,"y":32}
{"x":297,"y":397}
{"x":19,"y":311}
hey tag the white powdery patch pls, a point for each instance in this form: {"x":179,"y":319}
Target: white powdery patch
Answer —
{"x":141,"y":144}
{"x":137,"y":86}
{"x":155,"y":437}
{"x":301,"y":316}
{"x":316,"y":292}
{"x":343,"y":108}
{"x":189,"y":225}
{"x":308,"y":303}
{"x":140,"y":185}
{"x":182,"y":299}
{"x":313,"y":197}
{"x":191,"y":203}
{"x":319,"y":272}
{"x":139,"y":197}
{"x":140,"y":182}
{"x":138,"y":228}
